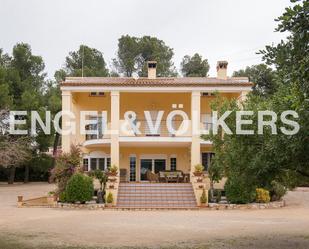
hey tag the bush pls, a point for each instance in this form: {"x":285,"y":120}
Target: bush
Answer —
{"x":109,"y":198}
{"x":79,"y":188}
{"x":238,"y":191}
{"x":203,"y":198}
{"x":277,"y":191}
{"x":66,"y":165}
{"x":62,"y":197}
{"x":262,"y":195}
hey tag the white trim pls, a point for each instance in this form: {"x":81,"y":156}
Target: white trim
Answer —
{"x":156,"y":139}
{"x":153,"y":156}
{"x":155,"y":89}
{"x":97,"y":142}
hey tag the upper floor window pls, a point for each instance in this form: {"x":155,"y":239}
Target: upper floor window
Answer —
{"x":97,"y":94}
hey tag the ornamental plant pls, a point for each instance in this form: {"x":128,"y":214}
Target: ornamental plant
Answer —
{"x":113,"y":170}
{"x":262,"y":195}
{"x":79,"y":188}
{"x":203,"y":198}
{"x":198,"y":169}
{"x":109,"y":198}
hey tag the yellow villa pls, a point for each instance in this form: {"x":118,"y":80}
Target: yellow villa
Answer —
{"x":156,"y":157}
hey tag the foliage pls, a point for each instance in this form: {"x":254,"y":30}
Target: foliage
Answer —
{"x":198,"y":168}
{"x":134,"y":52}
{"x":14,"y":151}
{"x":90,"y":59}
{"x":63,"y":197}
{"x":239,"y":190}
{"x":79,"y":188}
{"x":109,"y":198}
{"x":194,"y":66}
{"x":101,"y":176}
{"x":262,"y":76}
{"x":203,"y":198}
{"x":262,"y":195}
{"x":66,"y":165}
{"x":277,"y":191}
{"x":113,"y":169}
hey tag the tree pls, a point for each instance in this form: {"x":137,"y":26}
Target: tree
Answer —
{"x":258,"y":160}
{"x":85,"y":61}
{"x":134,"y":52}
{"x":13,"y":153}
{"x":262,"y":76}
{"x":194,"y":66}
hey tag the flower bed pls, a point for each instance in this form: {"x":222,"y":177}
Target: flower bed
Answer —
{"x":274,"y":204}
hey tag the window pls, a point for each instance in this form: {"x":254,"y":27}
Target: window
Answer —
{"x":85,"y":164}
{"x":101,"y":163}
{"x":206,"y":159}
{"x":97,"y":128}
{"x":173,"y":164}
{"x":108,"y":162}
{"x":206,"y":120}
{"x":132,"y":168}
{"x":97,"y":94}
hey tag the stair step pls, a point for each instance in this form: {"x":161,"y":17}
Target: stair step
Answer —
{"x":156,"y":195}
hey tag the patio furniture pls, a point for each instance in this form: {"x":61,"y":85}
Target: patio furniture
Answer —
{"x":171,"y":176}
{"x":152,"y":177}
{"x":123,"y":175}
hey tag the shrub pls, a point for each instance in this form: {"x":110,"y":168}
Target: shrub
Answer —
{"x":198,"y":168}
{"x":262,"y":195}
{"x":277,"y":191}
{"x":239,"y":191}
{"x":203,"y":198}
{"x":62,"y":197}
{"x":66,"y":166}
{"x":79,"y":188}
{"x":109,"y":198}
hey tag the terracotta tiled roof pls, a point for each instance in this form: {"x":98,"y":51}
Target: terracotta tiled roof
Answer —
{"x":175,"y":82}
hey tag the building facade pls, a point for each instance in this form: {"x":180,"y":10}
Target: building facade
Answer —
{"x":176,"y":107}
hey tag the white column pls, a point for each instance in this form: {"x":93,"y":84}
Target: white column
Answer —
{"x":66,"y":106}
{"x":195,"y":120}
{"x":115,"y":106}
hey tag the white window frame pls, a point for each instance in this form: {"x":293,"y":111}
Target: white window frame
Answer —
{"x":97,"y":155}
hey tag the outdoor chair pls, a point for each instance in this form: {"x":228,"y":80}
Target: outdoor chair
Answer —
{"x":151,"y":176}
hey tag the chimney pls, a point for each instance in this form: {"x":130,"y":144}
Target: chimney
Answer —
{"x":222,"y":69}
{"x":152,"y":69}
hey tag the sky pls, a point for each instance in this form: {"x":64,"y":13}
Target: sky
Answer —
{"x":216,"y":29}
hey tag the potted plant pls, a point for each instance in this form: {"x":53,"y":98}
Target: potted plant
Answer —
{"x":109,"y":200}
{"x":113,"y":170}
{"x":203,"y":198}
{"x":198,"y":170}
{"x":102,"y":177}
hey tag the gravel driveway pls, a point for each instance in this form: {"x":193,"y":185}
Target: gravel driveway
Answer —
{"x":55,"y":228}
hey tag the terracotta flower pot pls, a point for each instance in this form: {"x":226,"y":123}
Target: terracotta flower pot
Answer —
{"x":111,"y":186}
{"x":197,"y":173}
{"x":20,"y":198}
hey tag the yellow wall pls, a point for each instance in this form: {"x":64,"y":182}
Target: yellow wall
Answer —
{"x":140,"y":102}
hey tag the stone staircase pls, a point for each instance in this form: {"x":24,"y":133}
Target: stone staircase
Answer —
{"x":156,"y":196}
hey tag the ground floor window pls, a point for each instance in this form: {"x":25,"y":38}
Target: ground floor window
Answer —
{"x":93,"y":163}
{"x":132,"y":168}
{"x":206,"y":159}
{"x":173,"y":162}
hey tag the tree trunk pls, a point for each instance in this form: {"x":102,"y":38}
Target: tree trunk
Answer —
{"x":27,"y":169}
{"x":12,"y":175}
